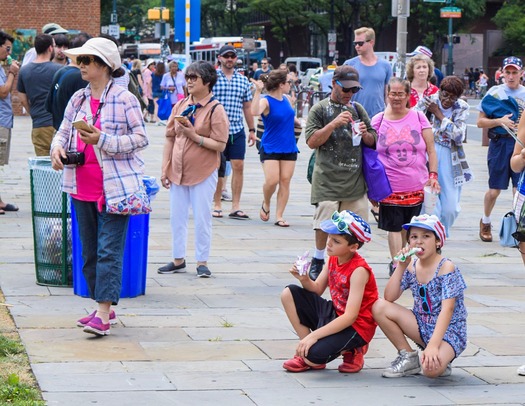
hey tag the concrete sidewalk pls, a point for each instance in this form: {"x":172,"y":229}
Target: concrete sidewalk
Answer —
{"x":223,"y":340}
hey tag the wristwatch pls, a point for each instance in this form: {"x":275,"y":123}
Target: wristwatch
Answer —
{"x":251,"y":130}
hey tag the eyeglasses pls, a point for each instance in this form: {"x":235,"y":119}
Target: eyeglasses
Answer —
{"x":264,"y":63}
{"x":191,"y":77}
{"x":229,"y":56}
{"x":427,"y":308}
{"x":360,"y":43}
{"x":354,"y":89}
{"x":446,"y":95}
{"x":7,"y":48}
{"x":395,"y":95}
{"x":340,"y":222}
{"x":85,"y":59}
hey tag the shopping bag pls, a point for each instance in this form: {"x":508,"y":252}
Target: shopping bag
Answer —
{"x":375,"y":176}
{"x":164,"y":103}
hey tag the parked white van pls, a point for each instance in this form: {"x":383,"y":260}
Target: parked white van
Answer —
{"x":303,"y":63}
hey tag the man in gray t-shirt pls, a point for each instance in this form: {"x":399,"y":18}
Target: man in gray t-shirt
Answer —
{"x":374,"y":73}
{"x":34,"y":83}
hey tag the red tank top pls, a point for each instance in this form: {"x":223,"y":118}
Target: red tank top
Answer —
{"x":339,"y":285}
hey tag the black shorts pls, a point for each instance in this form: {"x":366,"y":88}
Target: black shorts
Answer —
{"x":151,"y":106}
{"x":315,"y":312}
{"x":292,"y":156}
{"x":392,"y":218}
{"x":222,"y":166}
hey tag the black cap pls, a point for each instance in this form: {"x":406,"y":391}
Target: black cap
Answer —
{"x":227,"y":48}
{"x":347,"y":75}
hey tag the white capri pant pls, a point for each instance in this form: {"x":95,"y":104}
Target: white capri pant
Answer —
{"x":199,"y":197}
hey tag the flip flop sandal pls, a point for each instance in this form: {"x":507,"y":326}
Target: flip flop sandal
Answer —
{"x":266,"y":213}
{"x":281,"y":223}
{"x":217,"y":214}
{"x":239,"y":215}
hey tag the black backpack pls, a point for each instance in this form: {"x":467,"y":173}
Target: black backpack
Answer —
{"x":134,"y":87}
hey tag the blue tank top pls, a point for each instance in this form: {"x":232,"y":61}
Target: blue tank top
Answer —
{"x":278,"y":136}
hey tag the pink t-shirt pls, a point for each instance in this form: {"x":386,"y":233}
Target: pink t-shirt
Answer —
{"x":89,"y":175}
{"x":402,"y":150}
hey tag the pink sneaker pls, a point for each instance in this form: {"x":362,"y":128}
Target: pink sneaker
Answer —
{"x":297,"y":364}
{"x":95,"y":326}
{"x":85,"y":320}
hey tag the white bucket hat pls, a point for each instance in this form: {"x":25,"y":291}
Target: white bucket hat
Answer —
{"x":101,"y":47}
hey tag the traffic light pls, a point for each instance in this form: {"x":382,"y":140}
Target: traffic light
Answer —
{"x":153,"y":14}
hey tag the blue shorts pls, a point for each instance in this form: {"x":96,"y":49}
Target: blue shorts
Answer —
{"x":236,"y":146}
{"x":498,"y":161}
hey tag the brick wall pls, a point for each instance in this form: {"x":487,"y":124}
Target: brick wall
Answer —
{"x":33,"y":14}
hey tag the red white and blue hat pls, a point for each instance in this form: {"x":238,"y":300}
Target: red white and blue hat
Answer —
{"x":421,"y":50}
{"x":347,"y":222}
{"x":513,"y":61}
{"x":429,"y":222}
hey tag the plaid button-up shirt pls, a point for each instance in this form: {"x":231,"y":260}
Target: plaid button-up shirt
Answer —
{"x":123,"y":136}
{"x":233,"y":94}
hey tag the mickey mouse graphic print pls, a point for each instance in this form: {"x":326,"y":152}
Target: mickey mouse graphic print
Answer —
{"x":402,"y":150}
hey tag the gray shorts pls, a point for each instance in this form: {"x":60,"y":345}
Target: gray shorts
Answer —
{"x":5,"y":145}
{"x":324,"y":210}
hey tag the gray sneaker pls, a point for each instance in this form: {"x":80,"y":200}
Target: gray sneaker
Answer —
{"x":447,"y":371}
{"x":406,"y":363}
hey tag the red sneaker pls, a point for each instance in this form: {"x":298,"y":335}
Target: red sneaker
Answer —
{"x":297,"y":364}
{"x":354,"y":360}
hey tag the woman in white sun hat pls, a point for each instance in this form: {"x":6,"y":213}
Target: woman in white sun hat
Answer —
{"x":103,"y":169}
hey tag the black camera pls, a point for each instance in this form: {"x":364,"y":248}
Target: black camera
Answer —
{"x":73,"y":158}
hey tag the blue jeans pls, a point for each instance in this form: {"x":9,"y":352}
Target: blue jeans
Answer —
{"x":103,"y":238}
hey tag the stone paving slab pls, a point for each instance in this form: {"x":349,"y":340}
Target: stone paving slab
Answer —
{"x":223,"y":340}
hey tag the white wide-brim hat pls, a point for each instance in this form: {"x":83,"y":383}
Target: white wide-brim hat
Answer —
{"x":101,"y":47}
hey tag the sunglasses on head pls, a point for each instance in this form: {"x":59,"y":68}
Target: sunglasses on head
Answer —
{"x":229,"y":56}
{"x":354,"y":89}
{"x":340,"y":222}
{"x":85,"y":59}
{"x":191,"y":77}
{"x":427,"y":308}
{"x":360,"y":43}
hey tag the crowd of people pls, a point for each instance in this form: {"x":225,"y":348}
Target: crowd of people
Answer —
{"x":93,"y":127}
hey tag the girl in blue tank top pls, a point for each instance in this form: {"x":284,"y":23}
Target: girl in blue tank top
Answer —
{"x":278,"y":151}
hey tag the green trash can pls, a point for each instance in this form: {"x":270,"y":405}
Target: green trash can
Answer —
{"x":51,"y":216}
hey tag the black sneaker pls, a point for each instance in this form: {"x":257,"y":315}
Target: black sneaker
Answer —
{"x":391,"y":268}
{"x":316,"y":266}
{"x":203,"y":271}
{"x":170,"y":267}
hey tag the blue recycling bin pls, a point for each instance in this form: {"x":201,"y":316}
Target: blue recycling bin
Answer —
{"x":135,"y":261}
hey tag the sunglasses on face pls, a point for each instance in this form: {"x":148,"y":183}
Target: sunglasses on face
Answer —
{"x":427,"y":308}
{"x":229,"y":56}
{"x":7,"y":48}
{"x":347,"y":89}
{"x":360,"y":43}
{"x":191,"y":77}
{"x":85,"y":59}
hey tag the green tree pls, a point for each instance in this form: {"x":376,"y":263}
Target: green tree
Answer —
{"x":132,"y":15}
{"x":511,"y":20}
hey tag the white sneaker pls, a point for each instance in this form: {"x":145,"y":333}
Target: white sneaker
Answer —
{"x":521,"y":370}
{"x":447,"y":371}
{"x":225,"y":196}
{"x":406,"y":363}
